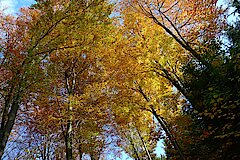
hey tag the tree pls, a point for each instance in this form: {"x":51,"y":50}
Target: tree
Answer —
{"x":135,"y":62}
{"x":19,"y":68}
{"x":202,"y":82}
{"x":75,"y":74}
{"x":28,"y":42}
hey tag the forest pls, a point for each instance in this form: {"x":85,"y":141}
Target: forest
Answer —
{"x":93,"y":79}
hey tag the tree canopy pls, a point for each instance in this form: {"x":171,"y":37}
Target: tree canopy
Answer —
{"x":93,"y":78}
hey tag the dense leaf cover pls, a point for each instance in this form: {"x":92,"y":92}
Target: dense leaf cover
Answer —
{"x":93,"y":79}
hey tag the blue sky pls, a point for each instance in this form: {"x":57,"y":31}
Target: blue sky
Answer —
{"x":12,"y":6}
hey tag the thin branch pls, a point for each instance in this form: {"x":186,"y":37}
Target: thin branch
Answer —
{"x":169,"y":7}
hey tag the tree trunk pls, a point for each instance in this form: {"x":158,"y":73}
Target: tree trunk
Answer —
{"x":134,"y":148}
{"x":163,"y":125}
{"x":68,"y":138}
{"x":70,"y":79}
{"x":6,"y":127}
{"x":168,"y":133}
{"x":68,"y":143}
{"x":80,"y":152}
{"x":144,"y":145}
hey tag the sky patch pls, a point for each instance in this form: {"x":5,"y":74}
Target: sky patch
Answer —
{"x":13,"y":6}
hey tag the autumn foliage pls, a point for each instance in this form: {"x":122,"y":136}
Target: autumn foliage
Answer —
{"x":93,"y":79}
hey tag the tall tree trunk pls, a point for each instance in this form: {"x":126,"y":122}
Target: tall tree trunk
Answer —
{"x":70,"y":78}
{"x":68,"y":138}
{"x":163,"y":124}
{"x":134,"y":148}
{"x":68,"y":143}
{"x":144,"y":144}
{"x":168,"y":133}
{"x":8,"y":118}
{"x":80,"y":152}
{"x":5,"y":132}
